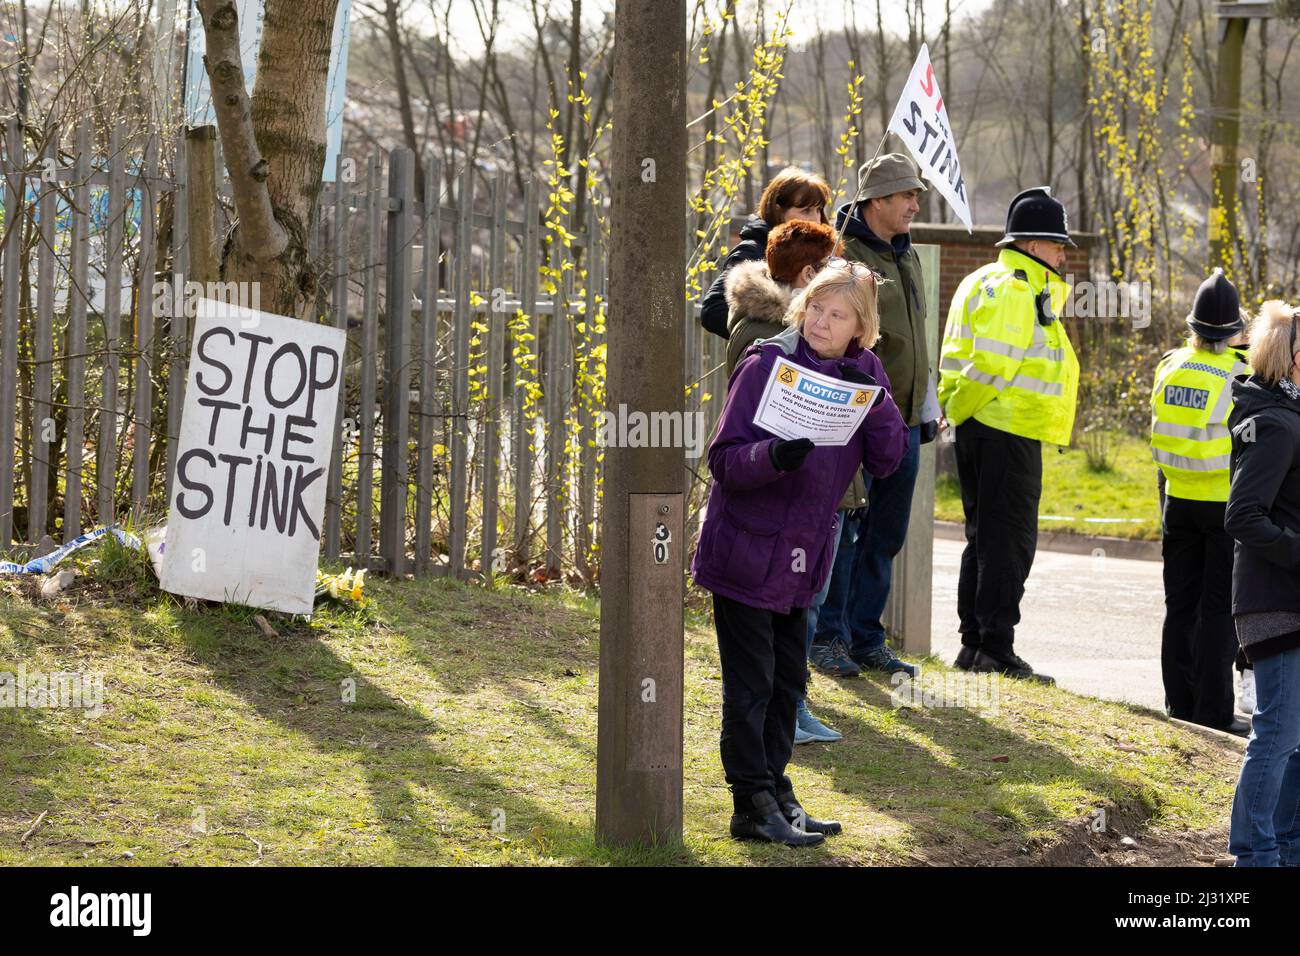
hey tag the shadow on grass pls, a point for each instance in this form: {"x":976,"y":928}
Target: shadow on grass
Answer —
{"x":909,"y":783}
{"x":467,"y":638}
{"x":273,"y":677}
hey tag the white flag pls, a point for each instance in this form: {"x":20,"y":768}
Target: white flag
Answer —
{"x":921,"y":122}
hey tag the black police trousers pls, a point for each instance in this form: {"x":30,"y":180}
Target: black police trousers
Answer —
{"x":1199,"y":642}
{"x":764,"y":673}
{"x":1001,"y":479}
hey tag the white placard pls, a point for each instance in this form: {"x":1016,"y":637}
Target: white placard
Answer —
{"x":921,"y":121}
{"x":800,"y":403}
{"x":253,"y":458}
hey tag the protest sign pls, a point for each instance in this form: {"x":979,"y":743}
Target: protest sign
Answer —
{"x":921,"y":121}
{"x":799,"y":403}
{"x":256,"y":435}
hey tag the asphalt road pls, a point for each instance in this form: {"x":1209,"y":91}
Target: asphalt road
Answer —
{"x":1092,"y":623}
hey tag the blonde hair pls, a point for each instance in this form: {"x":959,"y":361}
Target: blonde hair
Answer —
{"x":1215,"y":346}
{"x":861,"y":293}
{"x":1271,"y":335}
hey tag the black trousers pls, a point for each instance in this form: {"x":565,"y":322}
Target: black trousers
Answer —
{"x":1199,"y":642}
{"x":1001,"y":479}
{"x":764,"y":673}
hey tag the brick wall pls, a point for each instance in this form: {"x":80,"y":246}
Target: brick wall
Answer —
{"x":961,"y":253}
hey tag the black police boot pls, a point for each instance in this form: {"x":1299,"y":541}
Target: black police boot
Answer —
{"x":1008,"y":663}
{"x":766,"y":822}
{"x":799,"y":819}
{"x":965,"y":658}
{"x":1238,"y":726}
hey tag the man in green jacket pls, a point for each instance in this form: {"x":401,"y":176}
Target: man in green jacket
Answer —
{"x":875,"y":230}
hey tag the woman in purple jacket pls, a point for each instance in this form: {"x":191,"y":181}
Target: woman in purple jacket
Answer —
{"x":768,"y":535}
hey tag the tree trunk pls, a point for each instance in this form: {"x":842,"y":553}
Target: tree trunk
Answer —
{"x":274,"y":143}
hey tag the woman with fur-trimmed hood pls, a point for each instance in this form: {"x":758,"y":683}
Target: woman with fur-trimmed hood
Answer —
{"x":759,"y":292}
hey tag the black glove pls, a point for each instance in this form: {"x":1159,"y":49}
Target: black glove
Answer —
{"x":929,"y":431}
{"x":788,"y":454}
{"x":851,"y":373}
{"x":855,"y":514}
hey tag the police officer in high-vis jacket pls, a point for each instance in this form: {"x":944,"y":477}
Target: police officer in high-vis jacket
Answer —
{"x":1191,"y":443}
{"x":1008,"y":381}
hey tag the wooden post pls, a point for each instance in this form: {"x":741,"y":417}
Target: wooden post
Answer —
{"x":1223,"y":141}
{"x":201,"y":203}
{"x":164,"y":58}
{"x":599,"y":302}
{"x":75,"y":380}
{"x":369,"y":353}
{"x":558,"y":389}
{"x":42,"y":443}
{"x":178,"y":327}
{"x":144,"y":334}
{"x":430,"y":231}
{"x":14,"y":164}
{"x":109,"y":401}
{"x":586,"y":510}
{"x":639,"y":747}
{"x":907,"y":614}
{"x":692,"y":332}
{"x":458,"y":422}
{"x":334,"y":490}
{"x":494,"y":358}
{"x":397,"y":366}
{"x":524,"y":427}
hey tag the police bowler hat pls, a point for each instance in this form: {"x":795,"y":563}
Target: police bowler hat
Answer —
{"x":1216,"y":310}
{"x":1034,"y":214}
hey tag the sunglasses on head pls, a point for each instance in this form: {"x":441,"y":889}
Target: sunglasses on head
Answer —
{"x":855,"y":269}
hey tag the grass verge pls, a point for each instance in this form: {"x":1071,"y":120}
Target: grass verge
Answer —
{"x":1122,"y":502}
{"x":471,"y":740}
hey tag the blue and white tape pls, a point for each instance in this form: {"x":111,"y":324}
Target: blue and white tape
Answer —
{"x":46,"y":564}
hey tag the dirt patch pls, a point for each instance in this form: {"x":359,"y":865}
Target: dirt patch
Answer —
{"x":1124,"y":837}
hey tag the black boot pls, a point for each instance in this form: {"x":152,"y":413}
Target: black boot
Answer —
{"x":965,"y":657}
{"x":1007,"y":662}
{"x":799,"y":819}
{"x":766,"y":822}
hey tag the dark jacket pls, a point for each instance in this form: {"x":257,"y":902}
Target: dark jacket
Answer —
{"x":902,"y":346}
{"x":1263,"y":511}
{"x":752,"y":245}
{"x":768,"y":536}
{"x":757,"y":305}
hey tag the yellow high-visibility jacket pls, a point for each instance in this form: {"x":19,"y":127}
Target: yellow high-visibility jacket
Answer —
{"x":1190,"y":402}
{"x":998,"y":363}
